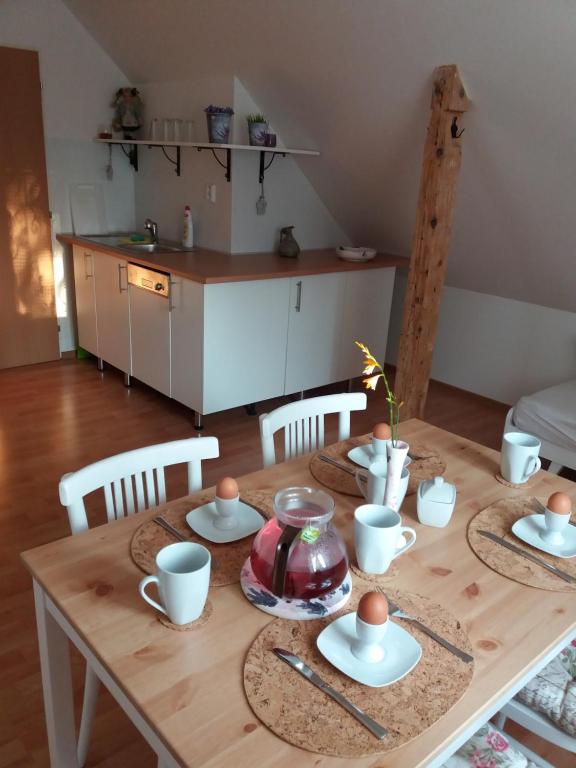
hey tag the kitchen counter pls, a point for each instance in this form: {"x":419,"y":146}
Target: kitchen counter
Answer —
{"x":205,"y":266}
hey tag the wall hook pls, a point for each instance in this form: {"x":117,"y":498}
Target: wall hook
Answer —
{"x":454,"y":128}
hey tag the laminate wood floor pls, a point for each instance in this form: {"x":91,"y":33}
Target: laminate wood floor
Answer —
{"x":57,"y":417}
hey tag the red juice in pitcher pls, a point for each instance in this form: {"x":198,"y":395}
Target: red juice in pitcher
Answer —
{"x":314,"y":560}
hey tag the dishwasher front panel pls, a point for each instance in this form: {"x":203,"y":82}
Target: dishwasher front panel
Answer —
{"x":150,"y":338}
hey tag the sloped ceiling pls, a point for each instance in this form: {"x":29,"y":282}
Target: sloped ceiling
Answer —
{"x":353,"y":78}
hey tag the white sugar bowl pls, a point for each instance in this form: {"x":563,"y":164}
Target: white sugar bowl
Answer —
{"x":435,"y":502}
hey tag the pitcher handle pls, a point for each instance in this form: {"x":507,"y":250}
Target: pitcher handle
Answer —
{"x":283,"y":548}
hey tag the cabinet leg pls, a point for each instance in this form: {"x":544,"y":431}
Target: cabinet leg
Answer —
{"x":350,"y":384}
{"x":198,"y":424}
{"x":100,"y":364}
{"x":251,"y":409}
{"x":127,"y":380}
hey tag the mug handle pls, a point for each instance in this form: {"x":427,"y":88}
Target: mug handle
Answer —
{"x":362,"y":482}
{"x":412,"y":534}
{"x":537,"y":464}
{"x":142,"y":587}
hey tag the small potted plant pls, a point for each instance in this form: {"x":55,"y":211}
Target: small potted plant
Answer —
{"x":257,"y":130}
{"x":219,"y":120}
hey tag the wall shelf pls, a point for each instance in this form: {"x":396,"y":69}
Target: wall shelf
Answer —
{"x":133,"y":145}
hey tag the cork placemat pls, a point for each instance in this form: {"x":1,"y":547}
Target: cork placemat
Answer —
{"x":227,"y":559}
{"x":192,"y":626}
{"x":342,"y":482}
{"x":508,"y":484}
{"x":499,"y":519}
{"x":302,"y":715}
{"x":375,"y":578}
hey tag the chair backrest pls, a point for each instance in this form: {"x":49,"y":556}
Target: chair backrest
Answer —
{"x":133,"y":481}
{"x":303,"y":423}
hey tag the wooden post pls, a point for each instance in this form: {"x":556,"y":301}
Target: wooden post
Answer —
{"x":436,"y":200}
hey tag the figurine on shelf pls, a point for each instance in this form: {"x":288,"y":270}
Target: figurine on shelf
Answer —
{"x":128,"y":111}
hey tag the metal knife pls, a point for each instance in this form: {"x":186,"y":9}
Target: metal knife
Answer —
{"x":335,"y":463}
{"x":159,"y":520}
{"x":529,"y":556}
{"x":296,"y":663}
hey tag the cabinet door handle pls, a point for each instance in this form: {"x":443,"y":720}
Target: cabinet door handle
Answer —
{"x":87,"y":259}
{"x":120,"y":268}
{"x":298,"y":295}
{"x":171,"y":284}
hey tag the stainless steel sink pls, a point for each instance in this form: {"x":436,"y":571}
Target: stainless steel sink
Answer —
{"x":119,"y":241}
{"x":154,"y":248}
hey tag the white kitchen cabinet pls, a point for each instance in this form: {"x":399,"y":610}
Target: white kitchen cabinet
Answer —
{"x":314,"y":331}
{"x":112,"y":310}
{"x":85,"y":298}
{"x":228,"y":342}
{"x":245,"y":327}
{"x":187,"y":342}
{"x":365,"y":317}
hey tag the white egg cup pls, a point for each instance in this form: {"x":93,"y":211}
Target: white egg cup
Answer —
{"x":226,"y":510}
{"x":555,"y":526}
{"x":368,"y":645}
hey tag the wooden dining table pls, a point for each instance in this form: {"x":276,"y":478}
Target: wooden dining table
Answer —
{"x":184,"y":690}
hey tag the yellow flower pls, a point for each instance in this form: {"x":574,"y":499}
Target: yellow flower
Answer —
{"x":372,"y":381}
{"x":368,"y":369}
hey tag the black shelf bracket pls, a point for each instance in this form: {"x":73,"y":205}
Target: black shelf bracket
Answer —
{"x":132,"y":154}
{"x":227,"y":165}
{"x":263,"y":166}
{"x":175,"y":163}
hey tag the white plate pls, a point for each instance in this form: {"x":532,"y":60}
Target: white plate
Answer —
{"x":364,"y":455}
{"x":403,"y":652}
{"x":529,"y":528}
{"x":355,"y":254}
{"x":201,"y":520}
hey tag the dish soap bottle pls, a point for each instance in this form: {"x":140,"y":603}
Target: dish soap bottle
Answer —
{"x":188,"y":232}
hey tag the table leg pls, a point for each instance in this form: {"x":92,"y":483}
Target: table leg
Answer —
{"x":56,"y":685}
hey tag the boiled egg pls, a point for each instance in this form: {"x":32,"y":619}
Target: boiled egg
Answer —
{"x":227,"y":488}
{"x":373,"y":608}
{"x":382,"y":431}
{"x":560,"y":503}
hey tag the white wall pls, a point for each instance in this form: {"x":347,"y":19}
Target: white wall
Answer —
{"x":160,"y":194}
{"x":498,"y":348}
{"x":290,"y":196}
{"x":78,"y":83}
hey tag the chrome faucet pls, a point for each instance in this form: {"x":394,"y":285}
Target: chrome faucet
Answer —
{"x":152,"y":227}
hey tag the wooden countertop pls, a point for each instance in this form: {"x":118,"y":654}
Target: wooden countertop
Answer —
{"x":205,"y":266}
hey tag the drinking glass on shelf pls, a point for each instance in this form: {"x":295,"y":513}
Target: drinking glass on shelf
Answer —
{"x":167,"y":129}
{"x":189,"y":131}
{"x":154,"y":130}
{"x":178,"y":129}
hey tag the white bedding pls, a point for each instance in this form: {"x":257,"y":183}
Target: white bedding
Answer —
{"x":550,"y":415}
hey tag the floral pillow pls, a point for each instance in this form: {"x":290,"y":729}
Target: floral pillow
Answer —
{"x":488,"y":748}
{"x":553,"y":691}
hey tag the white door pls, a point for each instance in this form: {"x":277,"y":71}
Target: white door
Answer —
{"x":315,"y":321}
{"x":365,"y":318}
{"x":245,"y":329}
{"x":186,"y":339}
{"x":85,"y":299}
{"x":113,"y":310}
{"x":150,"y":338}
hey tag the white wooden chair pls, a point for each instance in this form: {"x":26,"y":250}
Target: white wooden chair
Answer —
{"x":132,"y":482}
{"x":303,"y":423}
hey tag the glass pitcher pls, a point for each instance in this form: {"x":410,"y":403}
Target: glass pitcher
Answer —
{"x":299,"y":553}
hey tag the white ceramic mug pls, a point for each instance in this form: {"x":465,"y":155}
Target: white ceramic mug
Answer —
{"x":378,"y":537}
{"x":519,"y":457}
{"x":226,"y":510}
{"x":373,"y":485}
{"x":183,"y":577}
{"x":555,"y":526}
